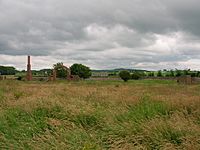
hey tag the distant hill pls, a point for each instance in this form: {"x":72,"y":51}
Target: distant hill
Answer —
{"x":121,"y":69}
{"x":117,"y":70}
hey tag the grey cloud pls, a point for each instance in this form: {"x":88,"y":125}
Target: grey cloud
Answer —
{"x":186,"y":13}
{"x":106,"y":33}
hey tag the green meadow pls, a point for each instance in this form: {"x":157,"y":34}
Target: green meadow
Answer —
{"x":96,"y":115}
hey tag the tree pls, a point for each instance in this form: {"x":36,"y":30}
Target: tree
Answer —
{"x":178,"y":73}
{"x":151,"y":74}
{"x":186,"y":72}
{"x":6,"y":70}
{"x":171,"y":73}
{"x":125,"y":75}
{"x":135,"y":76}
{"x":81,"y":70}
{"x":159,"y":73}
{"x":193,"y":74}
{"x":45,"y":72}
{"x":61,"y":71}
{"x":198,"y":73}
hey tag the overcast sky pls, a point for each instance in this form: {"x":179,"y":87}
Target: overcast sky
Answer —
{"x":103,"y":34}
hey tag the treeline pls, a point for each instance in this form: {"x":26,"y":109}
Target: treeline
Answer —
{"x":37,"y":73}
{"x":7,"y":70}
{"x":85,"y":72}
{"x":127,"y":75}
{"x":173,"y":73}
{"x":145,"y":73}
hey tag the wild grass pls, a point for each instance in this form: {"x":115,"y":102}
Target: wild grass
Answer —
{"x":86,"y":115}
{"x":1,"y":95}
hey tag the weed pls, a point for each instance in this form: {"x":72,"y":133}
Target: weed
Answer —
{"x":18,"y":95}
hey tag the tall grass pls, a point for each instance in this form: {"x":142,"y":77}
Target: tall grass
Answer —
{"x":144,"y":110}
{"x":99,"y":115}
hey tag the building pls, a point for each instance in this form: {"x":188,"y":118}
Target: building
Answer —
{"x":100,"y":74}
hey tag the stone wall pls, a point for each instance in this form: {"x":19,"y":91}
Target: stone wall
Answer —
{"x":196,"y":80}
{"x":187,"y":79}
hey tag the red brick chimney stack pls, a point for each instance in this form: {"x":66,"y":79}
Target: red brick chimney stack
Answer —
{"x":29,"y":73}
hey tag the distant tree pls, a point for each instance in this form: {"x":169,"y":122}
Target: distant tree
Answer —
{"x":125,"y":75}
{"x":4,"y":70}
{"x":198,"y":74}
{"x":45,"y":72}
{"x":193,"y":74}
{"x":142,"y":74}
{"x":135,"y":76}
{"x":171,"y":73}
{"x":151,"y":74}
{"x":186,"y":72}
{"x":167,"y":75}
{"x":159,"y":74}
{"x":80,"y":70}
{"x":112,"y":74}
{"x":60,"y":70}
{"x":178,"y":73}
{"x":34,"y":72}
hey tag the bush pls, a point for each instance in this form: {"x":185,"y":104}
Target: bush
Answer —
{"x":19,"y":78}
{"x":125,"y":75}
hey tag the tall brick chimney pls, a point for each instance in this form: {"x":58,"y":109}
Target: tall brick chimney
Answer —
{"x":29,"y":73}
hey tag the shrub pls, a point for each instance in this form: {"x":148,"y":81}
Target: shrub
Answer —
{"x":125,"y":75}
{"x":19,"y":78}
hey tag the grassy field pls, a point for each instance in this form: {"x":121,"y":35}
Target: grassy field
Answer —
{"x":95,"y":115}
